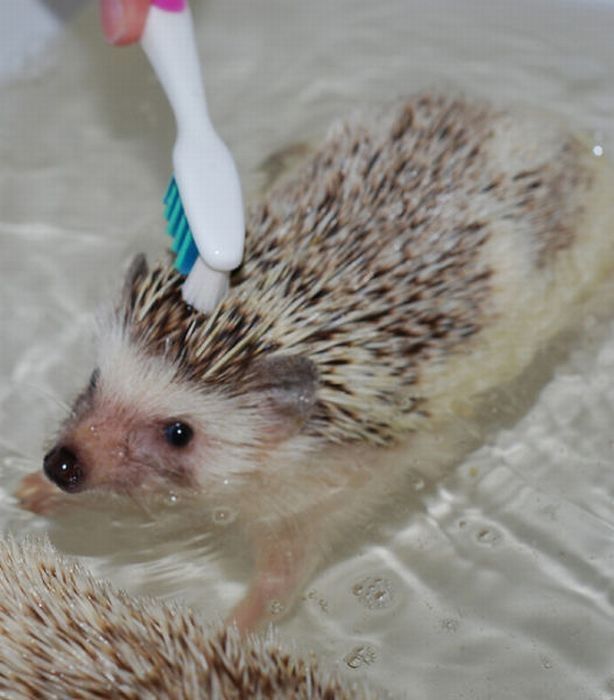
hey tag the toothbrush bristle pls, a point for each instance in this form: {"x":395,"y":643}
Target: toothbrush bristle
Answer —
{"x":178,"y":228}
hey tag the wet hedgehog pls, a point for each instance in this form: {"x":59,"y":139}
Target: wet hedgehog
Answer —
{"x":419,"y":258}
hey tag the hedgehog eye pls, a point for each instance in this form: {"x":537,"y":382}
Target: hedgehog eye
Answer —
{"x":178,"y":434}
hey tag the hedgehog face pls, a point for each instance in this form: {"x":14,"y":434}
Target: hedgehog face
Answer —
{"x":116,"y":445}
{"x":137,"y":427}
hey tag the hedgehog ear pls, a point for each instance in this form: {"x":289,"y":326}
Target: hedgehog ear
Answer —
{"x":137,"y":271}
{"x":286,"y":388}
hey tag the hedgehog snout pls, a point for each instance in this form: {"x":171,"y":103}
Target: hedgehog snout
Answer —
{"x":62,"y":466}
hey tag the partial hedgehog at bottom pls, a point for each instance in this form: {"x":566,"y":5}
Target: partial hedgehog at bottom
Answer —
{"x":66,"y":634}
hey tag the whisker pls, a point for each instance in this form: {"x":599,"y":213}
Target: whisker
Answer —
{"x":48,"y":395}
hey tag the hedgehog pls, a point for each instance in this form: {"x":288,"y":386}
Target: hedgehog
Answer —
{"x":418,"y":259}
{"x":65,"y":633}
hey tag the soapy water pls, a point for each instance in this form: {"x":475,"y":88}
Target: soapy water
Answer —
{"x":495,"y":581}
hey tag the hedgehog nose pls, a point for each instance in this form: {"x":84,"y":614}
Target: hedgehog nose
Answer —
{"x":62,"y":467}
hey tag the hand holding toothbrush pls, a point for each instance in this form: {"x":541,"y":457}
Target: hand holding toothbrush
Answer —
{"x":205,"y":172}
{"x":123,"y":21}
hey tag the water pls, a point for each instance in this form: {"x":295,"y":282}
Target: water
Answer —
{"x":495,"y":582}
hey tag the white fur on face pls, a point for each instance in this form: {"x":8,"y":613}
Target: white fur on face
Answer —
{"x":233,"y":432}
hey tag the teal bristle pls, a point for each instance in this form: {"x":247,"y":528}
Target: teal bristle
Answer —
{"x":178,"y":228}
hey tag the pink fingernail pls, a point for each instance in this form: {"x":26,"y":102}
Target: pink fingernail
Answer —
{"x":112,"y":18}
{"x":170,"y":5}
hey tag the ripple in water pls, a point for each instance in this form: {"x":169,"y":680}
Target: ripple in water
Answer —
{"x":488,"y":536}
{"x":374,"y":592}
{"x":360,"y":656}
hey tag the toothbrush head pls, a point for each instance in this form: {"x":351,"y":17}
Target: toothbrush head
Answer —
{"x":183,"y":245}
{"x":204,"y":287}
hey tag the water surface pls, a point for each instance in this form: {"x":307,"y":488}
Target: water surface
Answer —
{"x":495,"y":582}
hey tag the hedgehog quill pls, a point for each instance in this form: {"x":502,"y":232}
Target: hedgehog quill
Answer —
{"x":67,"y":634}
{"x":421,"y":257}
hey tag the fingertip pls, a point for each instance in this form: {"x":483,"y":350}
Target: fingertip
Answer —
{"x":112,"y":19}
{"x":123,"y":21}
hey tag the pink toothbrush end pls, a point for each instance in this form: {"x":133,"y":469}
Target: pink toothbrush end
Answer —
{"x":170,"y":5}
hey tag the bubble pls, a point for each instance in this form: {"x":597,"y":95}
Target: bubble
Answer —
{"x":223,"y":516}
{"x":450,"y":624}
{"x":374,"y":592}
{"x":276,"y":607}
{"x":546,"y":662}
{"x":314,"y":596}
{"x":172,"y":498}
{"x":360,"y":655}
{"x":487,"y":536}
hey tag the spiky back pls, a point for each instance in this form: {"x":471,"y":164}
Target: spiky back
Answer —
{"x":369,"y":262}
{"x":67,"y":634}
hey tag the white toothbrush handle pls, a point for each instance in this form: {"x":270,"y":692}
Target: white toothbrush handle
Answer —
{"x":204,"y":168}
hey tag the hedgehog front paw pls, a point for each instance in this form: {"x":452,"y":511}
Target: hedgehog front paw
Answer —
{"x":248,"y":615}
{"x":38,"y":495}
{"x":265,"y":602}
{"x":283,"y":559}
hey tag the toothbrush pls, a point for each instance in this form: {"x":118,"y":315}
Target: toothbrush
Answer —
{"x":204,"y":206}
